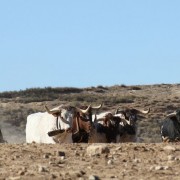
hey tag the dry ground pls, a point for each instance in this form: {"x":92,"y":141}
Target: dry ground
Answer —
{"x":76,"y":161}
{"x":150,"y":159}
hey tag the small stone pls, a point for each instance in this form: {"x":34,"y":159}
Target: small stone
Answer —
{"x":151,"y":168}
{"x":177,"y":158}
{"x":53,"y":176}
{"x":166,"y":167}
{"x":21,"y":173}
{"x":62,"y":157}
{"x":171,"y":157}
{"x":169,"y":148}
{"x":45,"y":156}
{"x":30,"y":157}
{"x":60,"y":153}
{"x":92,"y":177}
{"x":137,"y":160}
{"x":97,"y":150}
{"x":110,"y":162}
{"x":42,"y":169}
{"x":15,"y":178}
{"x":159,"y":168}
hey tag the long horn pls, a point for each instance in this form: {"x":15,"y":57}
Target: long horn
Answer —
{"x":52,"y":111}
{"x":108,"y":116}
{"x":143,"y":111}
{"x":84,"y":111}
{"x":171,"y":114}
{"x":97,"y":107}
{"x":116,"y":112}
{"x":124,"y":120}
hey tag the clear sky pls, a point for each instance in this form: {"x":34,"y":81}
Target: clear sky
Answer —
{"x":84,"y":43}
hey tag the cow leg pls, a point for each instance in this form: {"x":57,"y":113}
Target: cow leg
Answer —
{"x":165,"y":139}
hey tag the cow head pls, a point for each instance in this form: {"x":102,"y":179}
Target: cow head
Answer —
{"x":65,"y":116}
{"x":82,"y":123}
{"x":90,"y":111}
{"x":129,"y":118}
{"x":109,"y":126}
{"x":73,"y":119}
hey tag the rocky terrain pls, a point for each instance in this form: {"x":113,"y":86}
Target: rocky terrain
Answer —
{"x":149,"y":159}
{"x":90,"y":161}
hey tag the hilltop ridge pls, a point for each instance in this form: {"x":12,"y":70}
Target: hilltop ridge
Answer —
{"x":15,"y":106}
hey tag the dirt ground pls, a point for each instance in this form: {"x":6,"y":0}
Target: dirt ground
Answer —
{"x":90,"y":161}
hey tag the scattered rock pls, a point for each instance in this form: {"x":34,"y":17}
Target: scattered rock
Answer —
{"x":110,"y":162}
{"x":171,"y":157}
{"x":42,"y":169}
{"x":92,"y":177}
{"x":93,"y":150}
{"x":60,"y":153}
{"x":159,"y":168}
{"x":169,"y":148}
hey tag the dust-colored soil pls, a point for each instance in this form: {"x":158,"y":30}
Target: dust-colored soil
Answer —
{"x":150,"y":159}
{"x":75,"y":161}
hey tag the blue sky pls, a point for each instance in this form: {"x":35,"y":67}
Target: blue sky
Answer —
{"x":88,"y":43}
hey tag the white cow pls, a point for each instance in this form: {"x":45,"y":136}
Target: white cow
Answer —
{"x":40,"y":124}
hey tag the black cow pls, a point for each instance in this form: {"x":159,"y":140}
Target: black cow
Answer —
{"x":170,"y":129}
{"x":127,"y":128}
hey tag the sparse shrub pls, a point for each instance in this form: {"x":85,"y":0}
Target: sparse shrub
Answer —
{"x":135,"y":88}
{"x":123,"y":85}
{"x":100,"y":86}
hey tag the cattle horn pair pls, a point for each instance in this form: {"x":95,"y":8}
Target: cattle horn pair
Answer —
{"x":84,"y":111}
{"x":88,"y":108}
{"x":137,"y":110}
{"x":55,"y":111}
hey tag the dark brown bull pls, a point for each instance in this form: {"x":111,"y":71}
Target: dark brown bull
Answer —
{"x":170,"y":129}
{"x":81,"y":124}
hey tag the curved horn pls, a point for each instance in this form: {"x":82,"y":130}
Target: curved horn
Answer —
{"x":116,"y":112}
{"x":97,"y":107}
{"x":84,"y":111}
{"x":124,"y":120}
{"x":143,"y":111}
{"x":52,"y":111}
{"x":171,"y":114}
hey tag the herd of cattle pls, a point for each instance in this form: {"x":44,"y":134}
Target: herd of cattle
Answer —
{"x":68,"y":124}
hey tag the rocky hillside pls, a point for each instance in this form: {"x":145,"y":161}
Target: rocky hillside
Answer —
{"x":161,"y":98}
